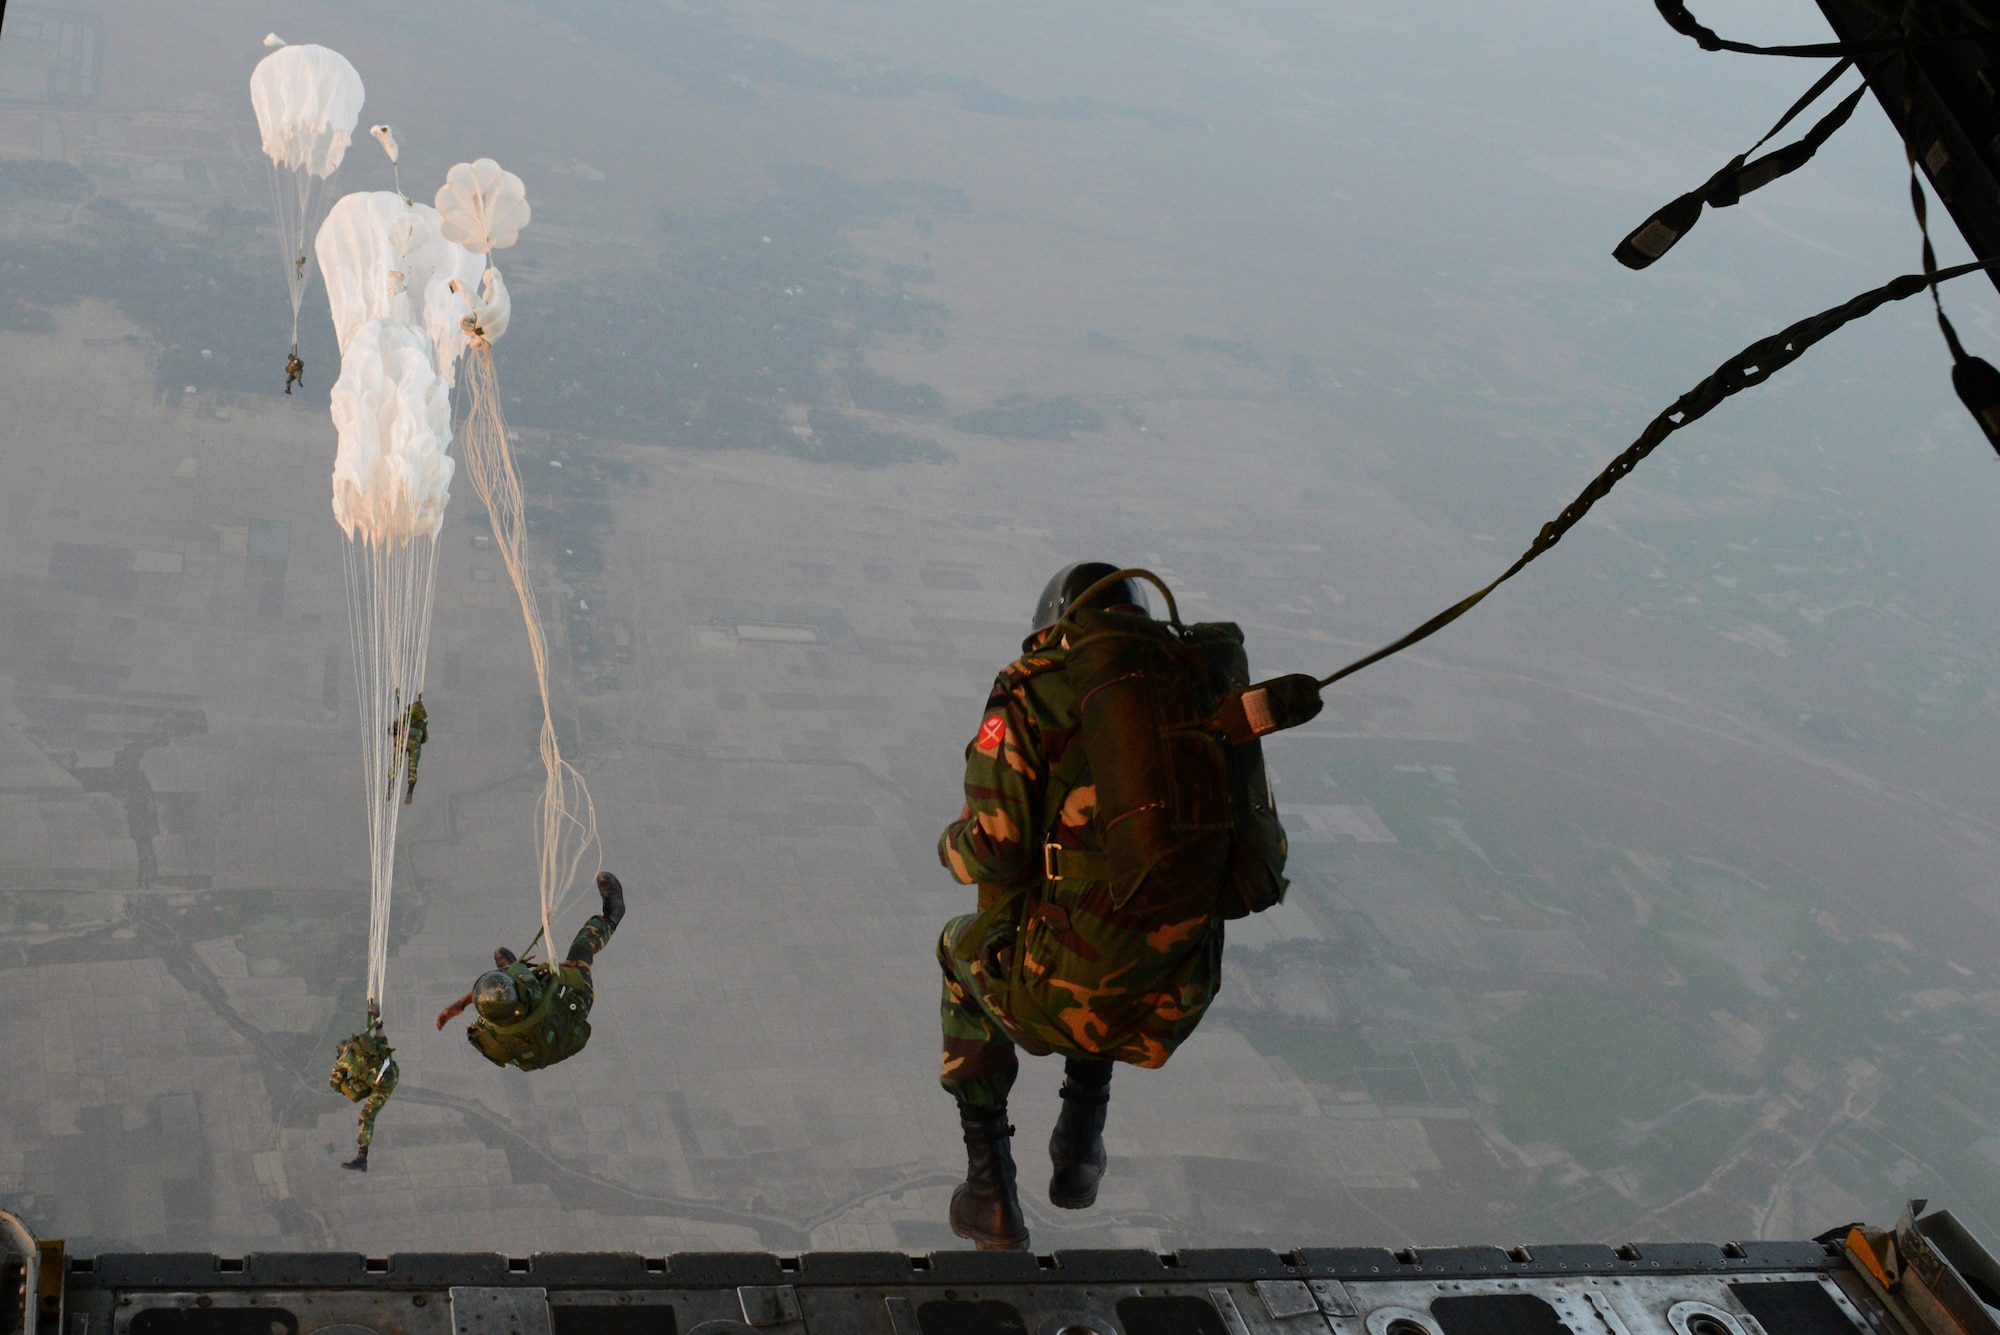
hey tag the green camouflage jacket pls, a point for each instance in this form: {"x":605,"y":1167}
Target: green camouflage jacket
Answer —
{"x":1066,"y":971}
{"x":413,"y":728}
{"x":364,"y":1066}
{"x":557,"y":1024}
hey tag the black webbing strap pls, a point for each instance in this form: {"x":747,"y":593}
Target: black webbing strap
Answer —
{"x":1675,"y":12}
{"x":1784,"y":161}
{"x":1672,"y":221}
{"x":1752,"y":366}
{"x":1974,"y":379}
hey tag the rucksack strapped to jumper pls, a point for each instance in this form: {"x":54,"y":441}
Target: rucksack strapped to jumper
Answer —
{"x":1171,"y":724}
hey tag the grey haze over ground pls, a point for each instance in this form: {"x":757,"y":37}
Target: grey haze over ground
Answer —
{"x":1656,"y":899}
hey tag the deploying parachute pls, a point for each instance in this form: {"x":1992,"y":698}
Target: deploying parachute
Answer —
{"x":481,"y":209}
{"x":386,"y":136}
{"x":307,"y":100}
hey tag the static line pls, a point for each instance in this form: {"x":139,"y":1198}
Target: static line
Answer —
{"x":389,"y":592}
{"x":566,"y":826}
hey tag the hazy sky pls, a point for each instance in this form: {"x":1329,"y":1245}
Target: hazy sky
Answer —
{"x":858,"y":319}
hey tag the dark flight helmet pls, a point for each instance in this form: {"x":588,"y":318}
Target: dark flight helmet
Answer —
{"x":1073,"y":580}
{"x":498,"y":997}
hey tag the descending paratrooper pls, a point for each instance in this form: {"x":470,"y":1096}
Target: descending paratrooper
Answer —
{"x":307,"y":99}
{"x":1086,"y":943}
{"x":365,"y":1071}
{"x":408,"y":734}
{"x":534,"y":1015}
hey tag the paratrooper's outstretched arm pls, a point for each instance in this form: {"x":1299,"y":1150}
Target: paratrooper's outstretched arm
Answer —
{"x":453,"y":1011}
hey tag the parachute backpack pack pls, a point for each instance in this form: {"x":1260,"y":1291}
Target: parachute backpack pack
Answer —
{"x":1172,"y":730}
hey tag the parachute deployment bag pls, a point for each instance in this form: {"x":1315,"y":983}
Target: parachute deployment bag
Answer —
{"x":1171,"y":727}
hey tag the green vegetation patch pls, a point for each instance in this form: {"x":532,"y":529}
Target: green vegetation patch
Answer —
{"x":1322,"y":1056}
{"x":317,"y":937}
{"x":1582,"y":1072}
{"x":1048,"y":419}
{"x":1727,"y":932}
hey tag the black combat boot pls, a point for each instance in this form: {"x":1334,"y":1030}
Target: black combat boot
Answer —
{"x":1076,"y":1146}
{"x":359,"y":1163}
{"x":613,"y":894}
{"x":985,"y":1207}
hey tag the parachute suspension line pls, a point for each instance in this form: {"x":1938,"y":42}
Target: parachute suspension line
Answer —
{"x":390,"y":583}
{"x":567,"y":828}
{"x":1752,"y":366}
{"x":295,"y":200}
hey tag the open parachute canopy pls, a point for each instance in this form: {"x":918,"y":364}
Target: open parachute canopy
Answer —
{"x":307,"y":100}
{"x":385,"y":258}
{"x":391,"y":472}
{"x":483,"y":206}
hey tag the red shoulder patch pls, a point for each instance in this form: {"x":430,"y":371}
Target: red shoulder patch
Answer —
{"x":991,"y":733}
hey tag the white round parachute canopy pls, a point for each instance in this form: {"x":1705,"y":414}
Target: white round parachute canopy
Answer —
{"x":307,"y":100}
{"x":484,"y":208}
{"x":391,"y":472}
{"x":272,"y":39}
{"x":385,"y":259}
{"x":387,"y":138}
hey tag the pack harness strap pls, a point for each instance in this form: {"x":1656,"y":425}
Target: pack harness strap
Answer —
{"x":975,"y":933}
{"x":1074,"y":864}
{"x":1071,"y":864}
{"x":538,"y":1014}
{"x":1752,"y":366}
{"x":1672,"y":221}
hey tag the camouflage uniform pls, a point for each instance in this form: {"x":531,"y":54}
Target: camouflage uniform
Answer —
{"x":557,"y":1024}
{"x":365,"y":1069}
{"x":410,"y":732}
{"x":1051,"y":965}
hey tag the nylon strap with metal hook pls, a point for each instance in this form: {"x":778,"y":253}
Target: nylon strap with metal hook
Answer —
{"x":1671,"y":221}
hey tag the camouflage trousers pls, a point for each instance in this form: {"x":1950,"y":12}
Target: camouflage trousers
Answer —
{"x":980,"y":1063}
{"x":590,"y":938}
{"x":385,"y":1085}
